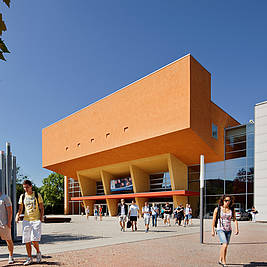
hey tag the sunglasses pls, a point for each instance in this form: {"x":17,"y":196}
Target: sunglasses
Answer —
{"x":227,"y":200}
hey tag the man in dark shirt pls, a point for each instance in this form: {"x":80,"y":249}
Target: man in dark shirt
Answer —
{"x":167,"y":214}
{"x":180,"y":213}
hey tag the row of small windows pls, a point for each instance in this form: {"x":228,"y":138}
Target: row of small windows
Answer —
{"x":92,"y":140}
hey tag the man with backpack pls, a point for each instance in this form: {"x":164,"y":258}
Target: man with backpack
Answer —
{"x":33,"y":216}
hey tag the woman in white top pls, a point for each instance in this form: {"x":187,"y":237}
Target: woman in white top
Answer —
{"x":134,"y":213}
{"x":222,"y":216}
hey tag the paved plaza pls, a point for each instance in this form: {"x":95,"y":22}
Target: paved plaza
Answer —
{"x":95,"y":243}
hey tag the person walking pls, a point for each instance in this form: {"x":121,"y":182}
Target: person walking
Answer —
{"x":188,"y":214}
{"x":87,"y":212}
{"x":253,"y":214}
{"x":180,"y":214}
{"x":5,"y":224}
{"x":167,"y":214}
{"x":95,"y":213}
{"x":155,"y":213}
{"x":100,"y":211}
{"x":146,"y":213}
{"x":32,"y":222}
{"x":222,"y":217}
{"x":122,"y":213}
{"x":134,"y":213}
{"x":162,"y":213}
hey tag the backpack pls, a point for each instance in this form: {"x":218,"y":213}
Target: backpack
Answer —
{"x":37,"y":198}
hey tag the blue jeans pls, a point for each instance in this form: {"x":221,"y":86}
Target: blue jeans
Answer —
{"x":154,"y":220}
{"x":224,"y":236}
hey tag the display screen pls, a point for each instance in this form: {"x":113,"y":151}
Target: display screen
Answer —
{"x":122,"y":184}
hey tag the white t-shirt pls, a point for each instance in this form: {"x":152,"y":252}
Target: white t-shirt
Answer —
{"x":134,"y":210}
{"x":123,"y":210}
{"x":187,"y":211}
{"x":4,"y":203}
{"x":154,"y":210}
{"x":146,"y":211}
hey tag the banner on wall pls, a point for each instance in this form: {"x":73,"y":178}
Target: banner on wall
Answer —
{"x":121,"y":184}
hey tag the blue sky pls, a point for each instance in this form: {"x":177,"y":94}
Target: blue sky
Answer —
{"x":67,"y":54}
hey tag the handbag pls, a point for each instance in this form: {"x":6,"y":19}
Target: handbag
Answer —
{"x":129,"y":224}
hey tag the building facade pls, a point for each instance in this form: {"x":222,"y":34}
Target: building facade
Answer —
{"x":144,"y":142}
{"x":261,"y":160}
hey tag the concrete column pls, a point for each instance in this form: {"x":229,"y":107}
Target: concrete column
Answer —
{"x":140,"y":201}
{"x":178,"y":173}
{"x":140,"y":179}
{"x":66,"y":195}
{"x":88,"y":188}
{"x":89,"y":203}
{"x":112,"y":203}
{"x":177,"y":200}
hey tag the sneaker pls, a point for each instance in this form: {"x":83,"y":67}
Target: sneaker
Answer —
{"x":10,"y":260}
{"x":38,"y":257}
{"x":28,"y":261}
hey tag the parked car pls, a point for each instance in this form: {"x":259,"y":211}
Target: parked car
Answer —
{"x":242,"y":215}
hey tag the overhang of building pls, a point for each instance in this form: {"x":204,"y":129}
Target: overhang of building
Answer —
{"x":168,"y":111}
{"x":139,"y":195}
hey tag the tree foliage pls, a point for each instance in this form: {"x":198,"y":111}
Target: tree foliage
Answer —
{"x":3,"y":48}
{"x":19,"y":187}
{"x":53,"y":190}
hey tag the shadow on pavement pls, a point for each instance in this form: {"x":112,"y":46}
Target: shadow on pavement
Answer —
{"x":47,"y":239}
{"x":255,"y":264}
{"x":237,"y":243}
{"x":19,"y":262}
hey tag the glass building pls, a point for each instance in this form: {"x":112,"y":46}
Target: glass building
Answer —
{"x":233,"y":176}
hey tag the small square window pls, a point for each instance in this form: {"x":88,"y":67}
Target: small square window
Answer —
{"x":92,"y":140}
{"x":214,"y":131}
{"x":125,"y":129}
{"x":107,"y":135}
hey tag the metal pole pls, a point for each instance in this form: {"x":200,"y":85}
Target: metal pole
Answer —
{"x":14,"y":197}
{"x":3,"y":172}
{"x":8,"y":170}
{"x":201,"y":196}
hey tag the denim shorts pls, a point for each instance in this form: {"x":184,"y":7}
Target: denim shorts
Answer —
{"x":224,"y":236}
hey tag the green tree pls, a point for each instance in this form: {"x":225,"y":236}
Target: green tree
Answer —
{"x":19,"y":181}
{"x":53,"y":193}
{"x":3,"y":48}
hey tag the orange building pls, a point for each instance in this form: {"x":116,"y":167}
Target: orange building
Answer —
{"x":149,"y":132}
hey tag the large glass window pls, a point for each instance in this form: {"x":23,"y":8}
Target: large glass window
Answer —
{"x":235,"y":142}
{"x":234,"y":175}
{"x":214,"y":131}
{"x":160,"y":181}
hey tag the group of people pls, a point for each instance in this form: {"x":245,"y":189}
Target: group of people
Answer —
{"x":184,"y":215}
{"x":180,"y":214}
{"x":98,"y":211}
{"x":32,"y":204}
